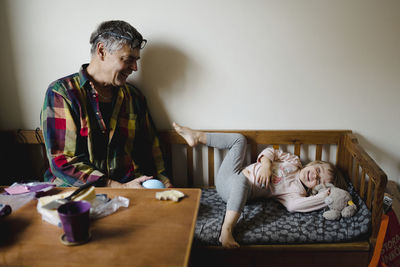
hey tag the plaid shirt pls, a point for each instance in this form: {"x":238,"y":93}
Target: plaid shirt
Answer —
{"x":81,"y":148}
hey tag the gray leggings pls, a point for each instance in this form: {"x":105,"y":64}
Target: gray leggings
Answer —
{"x":231,"y":184}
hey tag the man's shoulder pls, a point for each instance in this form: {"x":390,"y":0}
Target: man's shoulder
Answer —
{"x":134,"y":91}
{"x":70,"y":82}
{"x":132,"y":88}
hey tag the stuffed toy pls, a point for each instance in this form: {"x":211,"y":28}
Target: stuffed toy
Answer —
{"x":339,"y":202}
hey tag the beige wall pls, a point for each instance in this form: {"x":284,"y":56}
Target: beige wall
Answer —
{"x":225,"y":64}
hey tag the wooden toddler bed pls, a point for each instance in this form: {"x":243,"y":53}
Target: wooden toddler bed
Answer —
{"x":337,"y":146}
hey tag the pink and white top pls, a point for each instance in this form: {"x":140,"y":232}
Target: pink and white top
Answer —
{"x":284,"y":185}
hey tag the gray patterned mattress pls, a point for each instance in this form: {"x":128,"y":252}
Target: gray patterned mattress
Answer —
{"x":268,"y":222}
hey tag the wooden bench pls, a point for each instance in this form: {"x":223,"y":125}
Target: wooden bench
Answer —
{"x":356,"y":165}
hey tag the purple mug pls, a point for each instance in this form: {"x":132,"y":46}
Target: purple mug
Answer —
{"x":74,"y":217}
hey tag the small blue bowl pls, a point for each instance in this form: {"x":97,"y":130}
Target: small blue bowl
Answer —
{"x":153,"y":184}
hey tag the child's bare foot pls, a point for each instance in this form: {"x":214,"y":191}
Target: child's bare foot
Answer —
{"x":227,"y":239}
{"x":192,"y":137}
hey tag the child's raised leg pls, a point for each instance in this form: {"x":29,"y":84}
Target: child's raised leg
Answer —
{"x":192,"y":137}
{"x":231,"y":184}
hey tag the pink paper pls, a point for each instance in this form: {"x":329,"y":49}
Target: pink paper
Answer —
{"x":18,"y":189}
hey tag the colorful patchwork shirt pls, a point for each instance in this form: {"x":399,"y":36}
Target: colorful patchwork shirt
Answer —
{"x":82,"y":148}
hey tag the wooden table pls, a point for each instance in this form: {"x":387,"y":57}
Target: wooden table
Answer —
{"x":149,"y":232}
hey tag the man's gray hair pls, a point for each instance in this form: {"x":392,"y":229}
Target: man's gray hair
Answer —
{"x":114,"y":34}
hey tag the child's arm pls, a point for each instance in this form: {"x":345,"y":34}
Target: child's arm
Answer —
{"x":266,"y":158}
{"x":278,"y":155}
{"x":305,"y":204}
{"x":265,"y":172}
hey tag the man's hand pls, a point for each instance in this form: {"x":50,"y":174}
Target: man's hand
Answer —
{"x":135,"y":183}
{"x":265,"y":172}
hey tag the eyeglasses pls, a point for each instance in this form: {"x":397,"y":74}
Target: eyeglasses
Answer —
{"x":135,"y":41}
{"x":143,"y":44}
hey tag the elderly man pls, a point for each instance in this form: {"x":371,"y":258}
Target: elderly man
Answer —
{"x":97,"y":126}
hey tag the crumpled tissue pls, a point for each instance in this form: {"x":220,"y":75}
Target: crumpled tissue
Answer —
{"x":101,"y":206}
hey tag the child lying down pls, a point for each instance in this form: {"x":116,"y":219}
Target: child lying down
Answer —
{"x":276,"y":174}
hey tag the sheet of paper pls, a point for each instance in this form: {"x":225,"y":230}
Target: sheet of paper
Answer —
{"x":15,"y":190}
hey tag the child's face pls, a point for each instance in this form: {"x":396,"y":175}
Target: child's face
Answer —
{"x":315,"y":174}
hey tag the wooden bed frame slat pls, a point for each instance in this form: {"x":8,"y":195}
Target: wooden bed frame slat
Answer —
{"x":253,"y":152}
{"x":211,"y":166}
{"x":297,"y":149}
{"x":362,"y":184}
{"x":357,"y":177}
{"x":369,"y":194}
{"x":189,"y":165}
{"x":318,"y":152}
